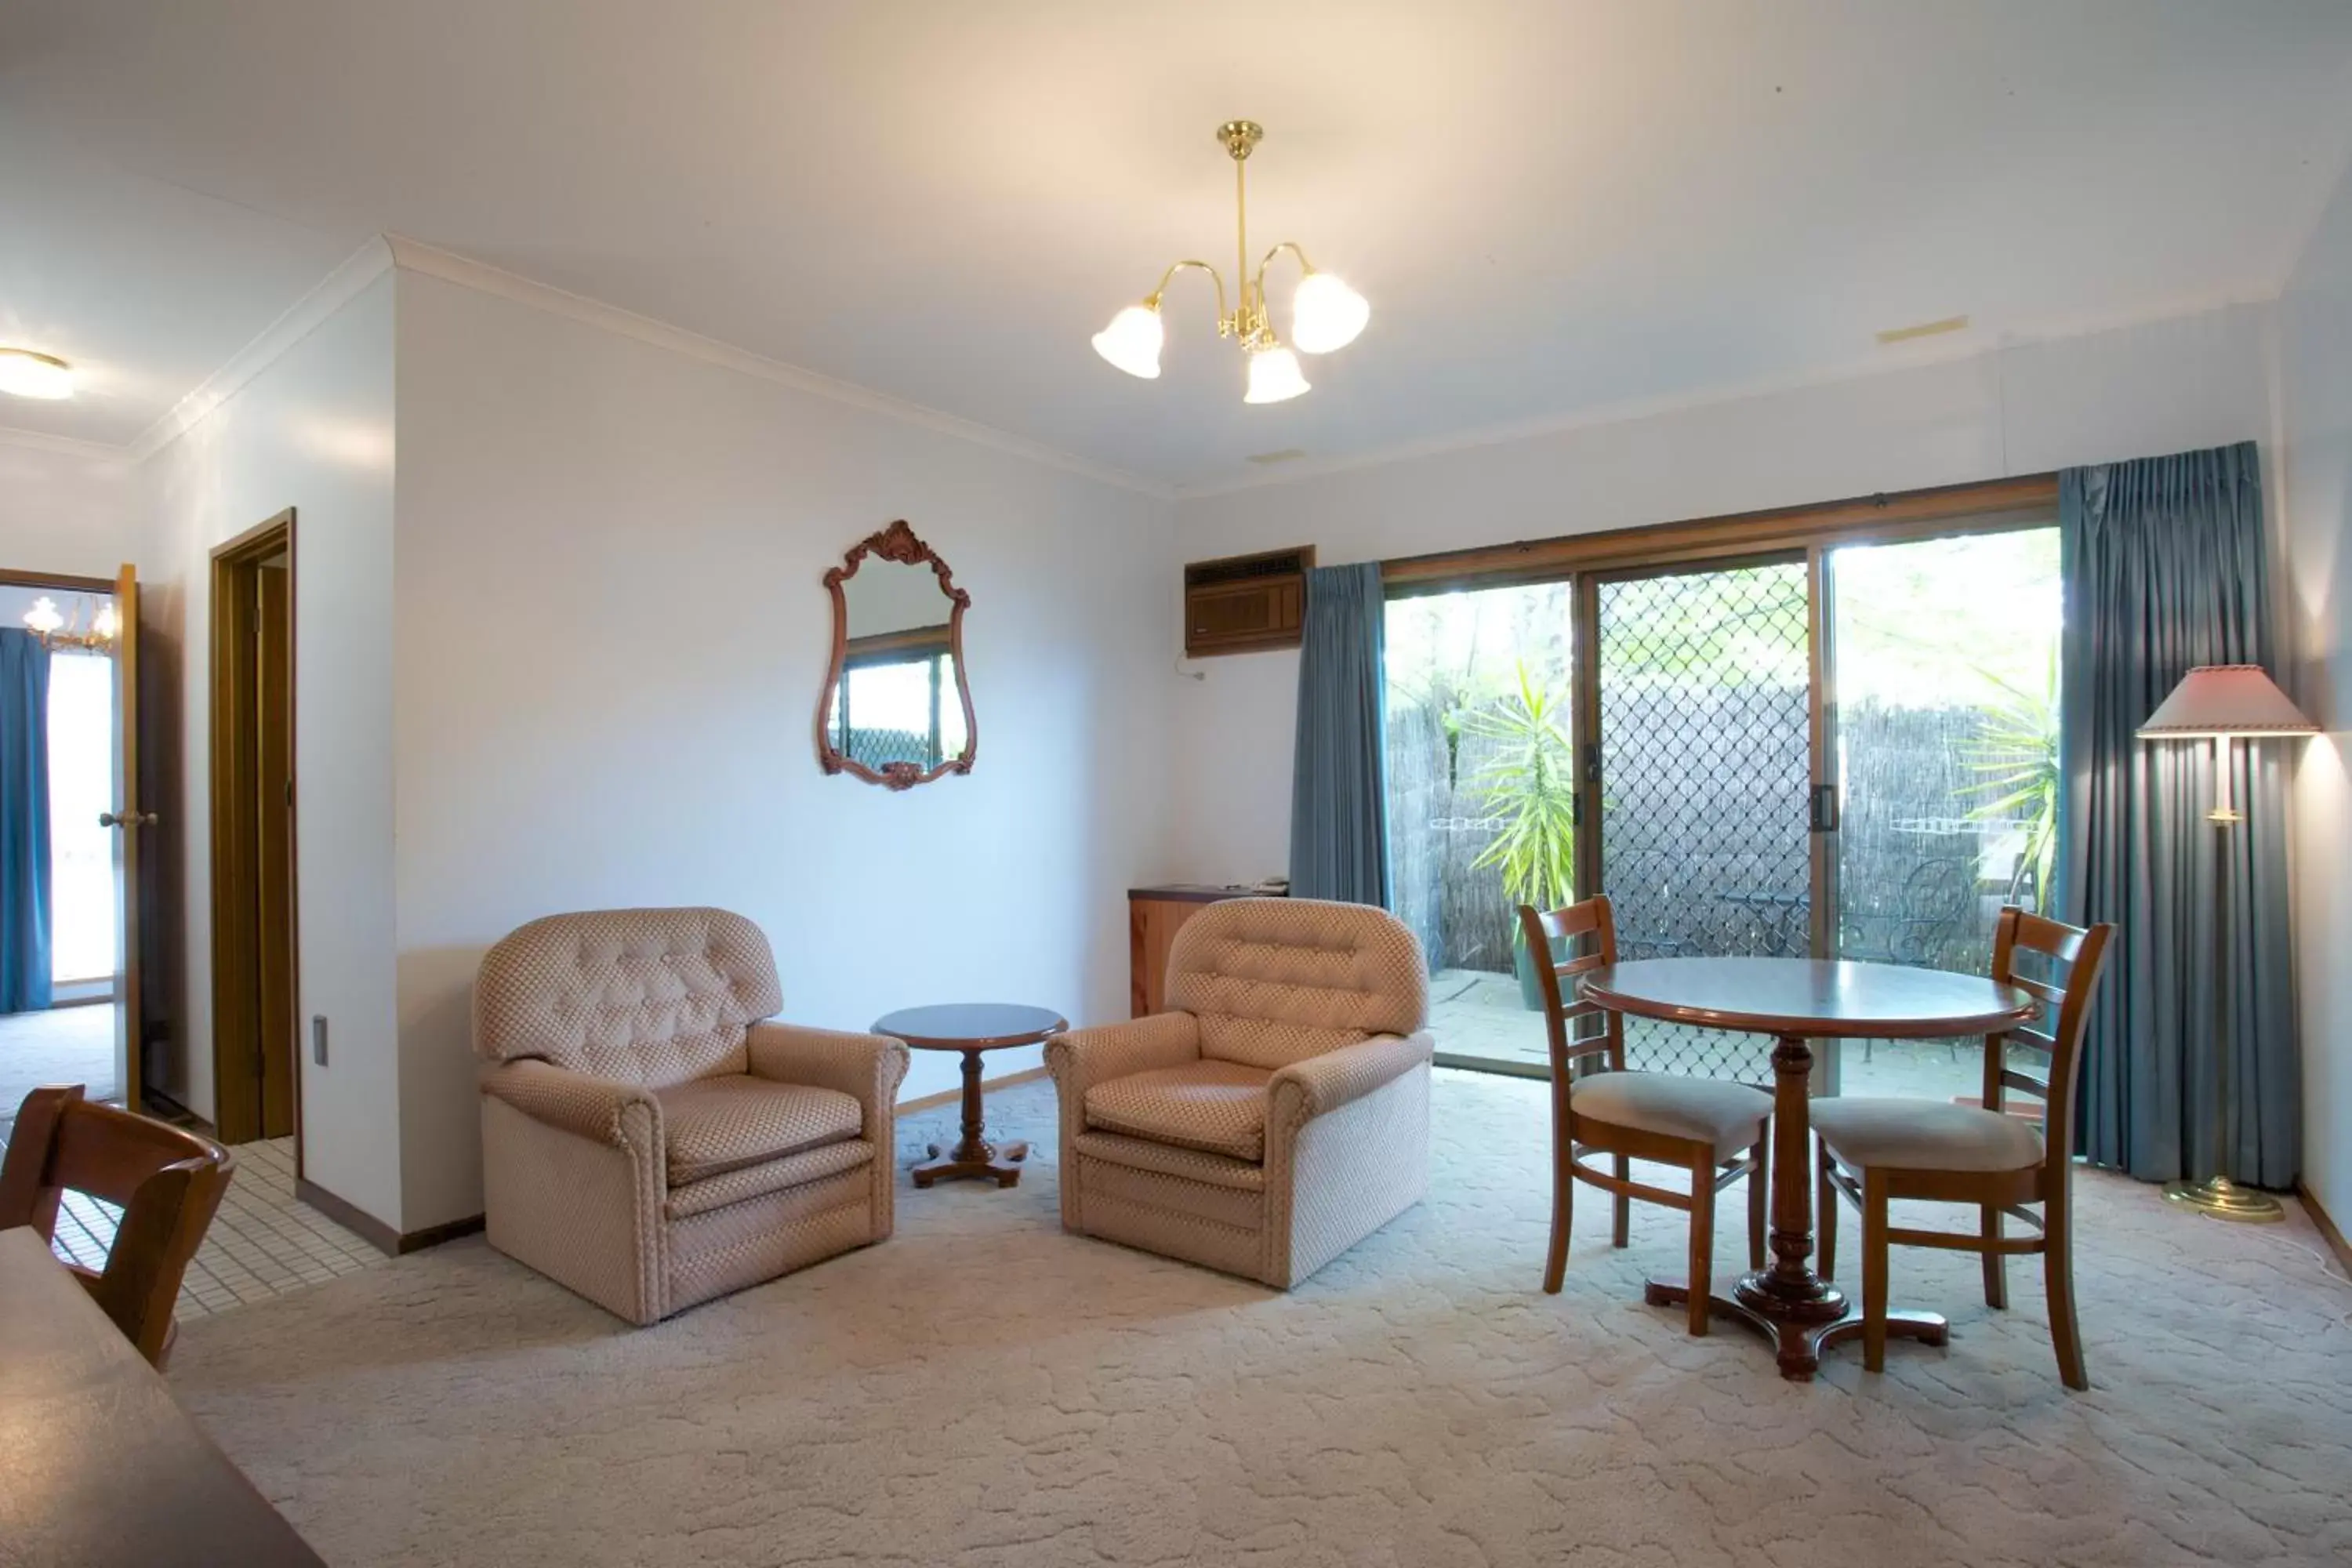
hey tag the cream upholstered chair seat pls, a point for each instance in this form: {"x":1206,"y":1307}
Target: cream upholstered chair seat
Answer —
{"x":1279,"y":1115}
{"x":1728,"y":1115}
{"x":713,"y":1125}
{"x":1218,"y":1107}
{"x":651,"y":1138}
{"x":1926,"y":1135}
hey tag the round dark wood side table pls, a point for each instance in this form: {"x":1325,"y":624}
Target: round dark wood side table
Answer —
{"x":1796,"y":1001}
{"x":974,"y":1028}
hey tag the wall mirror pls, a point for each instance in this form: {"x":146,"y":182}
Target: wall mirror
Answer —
{"x":897,"y":708}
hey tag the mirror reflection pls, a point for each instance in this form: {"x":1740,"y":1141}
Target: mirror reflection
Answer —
{"x":897,"y":711}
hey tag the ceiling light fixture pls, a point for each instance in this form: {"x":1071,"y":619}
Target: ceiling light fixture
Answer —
{"x":29,"y":374}
{"x":56,"y":633}
{"x":1325,"y":314}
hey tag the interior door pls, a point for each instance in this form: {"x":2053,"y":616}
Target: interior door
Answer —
{"x":1701,"y":752}
{"x":127,"y":819}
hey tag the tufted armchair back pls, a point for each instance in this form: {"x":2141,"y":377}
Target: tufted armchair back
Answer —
{"x":643,"y":996}
{"x":1273,"y":981}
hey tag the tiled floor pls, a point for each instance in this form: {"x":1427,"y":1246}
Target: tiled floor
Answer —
{"x":262,"y":1243}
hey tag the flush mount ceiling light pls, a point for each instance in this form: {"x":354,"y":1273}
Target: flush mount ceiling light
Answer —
{"x":28,"y":375}
{"x":1325,"y":314}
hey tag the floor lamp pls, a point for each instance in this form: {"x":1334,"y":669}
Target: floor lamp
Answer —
{"x":2222,"y":702}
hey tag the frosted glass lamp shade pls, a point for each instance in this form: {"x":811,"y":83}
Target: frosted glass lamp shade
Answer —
{"x":1325,"y":314}
{"x":2226,"y":700}
{"x":1132,"y":342}
{"x":43,"y":617}
{"x":108,"y":622}
{"x":28,"y":375}
{"x":1274,"y":376}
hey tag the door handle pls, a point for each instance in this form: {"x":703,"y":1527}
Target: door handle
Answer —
{"x":1823,"y":808}
{"x":126,"y":819}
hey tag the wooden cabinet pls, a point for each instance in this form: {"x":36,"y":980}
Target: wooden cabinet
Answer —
{"x":1154,"y":915}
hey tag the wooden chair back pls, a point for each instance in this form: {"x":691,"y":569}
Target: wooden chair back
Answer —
{"x":167,"y":1182}
{"x":2077,"y":954}
{"x":1594,"y":925}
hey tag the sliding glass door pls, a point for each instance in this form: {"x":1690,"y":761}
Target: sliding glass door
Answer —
{"x":1831,"y":749}
{"x":1946,"y":762}
{"x":1699,"y":768}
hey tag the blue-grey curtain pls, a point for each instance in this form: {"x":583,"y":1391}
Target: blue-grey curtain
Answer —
{"x":24,"y":822}
{"x":2165,"y":568}
{"x":1338,"y":797}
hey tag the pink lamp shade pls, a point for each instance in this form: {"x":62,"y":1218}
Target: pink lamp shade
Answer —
{"x":2226,"y":700}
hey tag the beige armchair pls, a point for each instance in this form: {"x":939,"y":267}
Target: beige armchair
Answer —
{"x":1279,"y":1115}
{"x":649,"y":1138}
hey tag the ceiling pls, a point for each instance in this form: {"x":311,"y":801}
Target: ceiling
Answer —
{"x":1554,"y":207}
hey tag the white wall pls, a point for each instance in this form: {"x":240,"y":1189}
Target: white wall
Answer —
{"x":2316,"y":382}
{"x":313,"y":431}
{"x":2195,"y":381}
{"x":74,"y":513}
{"x":612,"y":635}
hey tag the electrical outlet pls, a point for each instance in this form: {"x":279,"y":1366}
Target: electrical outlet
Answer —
{"x":318,"y":1038}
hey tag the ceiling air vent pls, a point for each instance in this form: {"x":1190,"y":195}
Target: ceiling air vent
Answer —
{"x":1246,"y":604}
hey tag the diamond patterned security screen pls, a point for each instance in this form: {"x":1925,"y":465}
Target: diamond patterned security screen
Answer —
{"x":1704,"y":682}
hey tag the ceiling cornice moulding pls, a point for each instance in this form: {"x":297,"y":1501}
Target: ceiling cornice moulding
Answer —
{"x":415,"y":256}
{"x":334,"y":292}
{"x":42,"y":441}
{"x":1920,"y":355}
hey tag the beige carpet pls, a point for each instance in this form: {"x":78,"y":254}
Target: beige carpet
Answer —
{"x":986,"y":1390}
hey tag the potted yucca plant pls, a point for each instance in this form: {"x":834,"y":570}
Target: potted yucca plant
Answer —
{"x":1531,"y":783}
{"x":2015,"y":752}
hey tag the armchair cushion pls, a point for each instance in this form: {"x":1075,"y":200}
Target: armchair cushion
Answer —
{"x":1218,"y":1107}
{"x":723,"y":1123}
{"x":651,"y":996}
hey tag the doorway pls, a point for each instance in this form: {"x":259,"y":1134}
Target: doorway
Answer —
{"x":256,"y":1060}
{"x":69,"y":825}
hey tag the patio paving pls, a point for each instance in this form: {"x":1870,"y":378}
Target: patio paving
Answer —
{"x":1479,"y":1021}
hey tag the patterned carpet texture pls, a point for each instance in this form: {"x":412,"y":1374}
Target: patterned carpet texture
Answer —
{"x":984,"y":1390}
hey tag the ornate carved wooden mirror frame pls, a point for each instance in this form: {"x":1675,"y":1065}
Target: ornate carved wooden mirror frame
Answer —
{"x":897,"y":543}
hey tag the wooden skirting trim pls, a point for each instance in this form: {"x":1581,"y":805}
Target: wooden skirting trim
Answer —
{"x":949,"y":1096}
{"x":350,"y":1215}
{"x":2326,"y":1223}
{"x":373,"y":1231}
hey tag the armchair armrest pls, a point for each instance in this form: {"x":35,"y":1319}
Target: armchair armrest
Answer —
{"x":868,"y":1067}
{"x":1081,"y":1058}
{"x":1319,"y":1085}
{"x":593,"y":1108}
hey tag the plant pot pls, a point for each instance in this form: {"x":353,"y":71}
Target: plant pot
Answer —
{"x":1530,"y":978}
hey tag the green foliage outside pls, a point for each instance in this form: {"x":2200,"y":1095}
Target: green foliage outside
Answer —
{"x":1530,"y":782}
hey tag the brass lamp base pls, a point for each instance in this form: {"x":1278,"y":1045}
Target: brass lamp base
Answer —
{"x":2224,"y":1199}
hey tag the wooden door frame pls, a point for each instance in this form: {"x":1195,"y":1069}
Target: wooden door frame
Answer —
{"x":235,"y":926}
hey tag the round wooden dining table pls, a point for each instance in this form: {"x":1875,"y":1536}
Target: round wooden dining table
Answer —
{"x":1797,"y":1001}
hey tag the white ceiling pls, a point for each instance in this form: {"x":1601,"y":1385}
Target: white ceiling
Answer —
{"x":1554,"y":207}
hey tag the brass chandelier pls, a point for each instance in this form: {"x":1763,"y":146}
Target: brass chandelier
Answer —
{"x":1325,"y":314}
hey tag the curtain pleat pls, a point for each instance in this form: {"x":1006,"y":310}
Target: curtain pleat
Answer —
{"x":2165,"y":568}
{"x":1338,"y":797}
{"x":24,"y":822}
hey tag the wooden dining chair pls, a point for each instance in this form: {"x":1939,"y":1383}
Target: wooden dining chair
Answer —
{"x":166,"y":1181}
{"x":1713,"y":1129}
{"x":1873,"y":1152}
